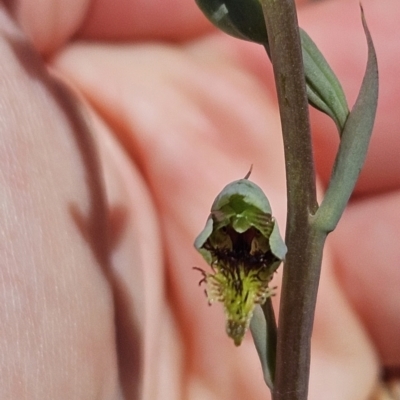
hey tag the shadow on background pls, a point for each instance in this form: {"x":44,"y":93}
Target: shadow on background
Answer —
{"x":102,"y":227}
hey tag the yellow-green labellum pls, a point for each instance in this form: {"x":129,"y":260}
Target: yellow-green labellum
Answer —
{"x":242,"y":244}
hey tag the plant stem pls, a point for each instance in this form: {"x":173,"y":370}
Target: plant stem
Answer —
{"x":305,"y":244}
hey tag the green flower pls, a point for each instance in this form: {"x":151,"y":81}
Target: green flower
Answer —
{"x":242,"y":244}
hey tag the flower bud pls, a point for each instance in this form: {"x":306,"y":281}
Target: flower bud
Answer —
{"x":243,"y":19}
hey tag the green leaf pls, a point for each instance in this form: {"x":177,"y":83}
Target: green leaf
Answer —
{"x":245,"y":20}
{"x":353,"y":145}
{"x":324,"y":90}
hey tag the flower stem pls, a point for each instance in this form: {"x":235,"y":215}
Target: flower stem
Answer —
{"x":305,"y":244}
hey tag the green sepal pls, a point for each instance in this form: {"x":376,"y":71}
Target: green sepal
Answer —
{"x":278,"y":246}
{"x":251,"y":193}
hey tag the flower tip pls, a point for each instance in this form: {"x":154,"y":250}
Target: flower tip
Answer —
{"x":236,"y":330}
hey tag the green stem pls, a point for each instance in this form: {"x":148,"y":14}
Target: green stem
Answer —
{"x":303,"y":260}
{"x":299,"y":294}
{"x":287,"y":61}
